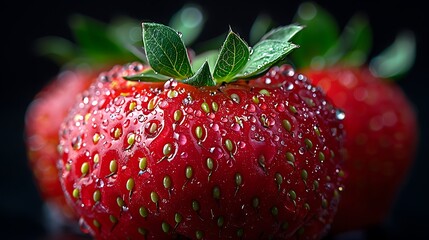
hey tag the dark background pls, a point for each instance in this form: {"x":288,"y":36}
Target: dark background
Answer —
{"x":23,"y":73}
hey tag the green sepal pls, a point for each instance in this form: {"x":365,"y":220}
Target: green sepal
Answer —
{"x":95,"y":41}
{"x":264,"y":55}
{"x":283,"y":33}
{"x":232,"y":58}
{"x":321,"y":32}
{"x":353,"y":45}
{"x":148,"y":75}
{"x":59,"y":49}
{"x":165,"y":51}
{"x":201,"y":78}
{"x":397,"y":59}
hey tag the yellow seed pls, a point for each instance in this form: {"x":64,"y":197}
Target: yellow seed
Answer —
{"x":75,"y":193}
{"x":130,"y":184}
{"x":120,"y":201}
{"x":96,"y":223}
{"x":229,"y":144}
{"x":286,"y":124}
{"x":68,"y":167}
{"x":205,"y":107}
{"x":167,"y":182}
{"x":216,"y":192}
{"x":199,"y":132}
{"x":131,"y":139}
{"x":113,"y":167}
{"x":308,"y":143}
{"x":84,"y":168}
{"x":172,"y":94}
{"x":142,"y":231}
{"x":177,"y":115}
{"x":96,"y":138}
{"x":199,"y":234}
{"x":142,"y":163}
{"x":215,"y":106}
{"x":166,"y":150}
{"x":165,"y":227}
{"x":188,"y":172}
{"x":96,"y":195}
{"x":113,"y":219}
{"x":255,"y":99}
{"x":143,"y":212}
{"x":132,"y":105}
{"x":151,"y":104}
{"x":154,"y":197}
{"x":96,"y":158}
{"x":117,"y":133}
{"x":153,"y":127}
{"x":264,"y":92}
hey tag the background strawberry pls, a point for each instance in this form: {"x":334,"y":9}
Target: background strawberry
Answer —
{"x":380,"y":121}
{"x":203,"y":155}
{"x":97,"y":46}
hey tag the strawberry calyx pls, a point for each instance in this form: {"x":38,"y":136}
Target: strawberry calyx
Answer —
{"x":99,"y":44}
{"x":168,"y":58}
{"x":350,"y":46}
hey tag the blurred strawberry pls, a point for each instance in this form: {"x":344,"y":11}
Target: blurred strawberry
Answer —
{"x":380,"y":121}
{"x":97,"y":47}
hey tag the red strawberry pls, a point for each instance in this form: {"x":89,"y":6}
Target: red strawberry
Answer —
{"x":203,"y":155}
{"x":42,"y":122}
{"x":50,"y":106}
{"x":380,"y":123}
{"x":381,"y":142}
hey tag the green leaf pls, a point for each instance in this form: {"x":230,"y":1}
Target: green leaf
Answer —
{"x":397,"y":59}
{"x":94,"y":40}
{"x":189,"y":21}
{"x":264,"y":55}
{"x":209,"y":56}
{"x":59,"y":49}
{"x":354,"y":44}
{"x":260,"y":26}
{"x":148,"y":76}
{"x":321,"y":32}
{"x":166,"y":51}
{"x":201,"y":78}
{"x":284,"y":33}
{"x":232,"y":58}
{"x":127,"y":32}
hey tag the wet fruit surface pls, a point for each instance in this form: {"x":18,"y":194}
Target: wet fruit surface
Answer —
{"x":259,"y":158}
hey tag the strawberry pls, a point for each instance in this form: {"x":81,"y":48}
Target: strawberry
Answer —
{"x":43,"y":119}
{"x":79,"y":67}
{"x":381,"y":122}
{"x":170,"y":149}
{"x":49,"y":107}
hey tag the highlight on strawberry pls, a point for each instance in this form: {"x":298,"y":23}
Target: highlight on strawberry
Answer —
{"x":381,"y":124}
{"x":240,"y":147}
{"x":95,"y":48}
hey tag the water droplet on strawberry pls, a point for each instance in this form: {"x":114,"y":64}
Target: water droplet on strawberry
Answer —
{"x":215,"y":127}
{"x":99,"y":183}
{"x":339,"y":114}
{"x":163,"y":104}
{"x":182,"y":139}
{"x":235,"y":127}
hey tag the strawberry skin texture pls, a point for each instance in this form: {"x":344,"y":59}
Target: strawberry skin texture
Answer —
{"x":42,"y":122}
{"x":381,"y":139}
{"x":259,"y":159}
